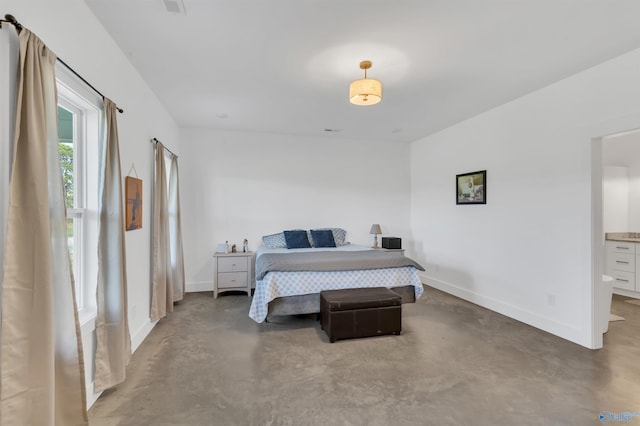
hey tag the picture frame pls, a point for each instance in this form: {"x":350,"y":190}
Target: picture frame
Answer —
{"x":134,"y":203}
{"x":471,"y":188}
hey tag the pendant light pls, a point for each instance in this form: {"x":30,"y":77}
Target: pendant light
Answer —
{"x":366,"y":91}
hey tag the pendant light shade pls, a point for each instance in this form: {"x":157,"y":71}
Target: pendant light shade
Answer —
{"x":366,"y":91}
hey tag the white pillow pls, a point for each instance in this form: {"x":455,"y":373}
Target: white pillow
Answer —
{"x":274,"y":241}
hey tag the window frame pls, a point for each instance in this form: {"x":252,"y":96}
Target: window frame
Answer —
{"x":77,"y":212}
{"x":88,"y":125}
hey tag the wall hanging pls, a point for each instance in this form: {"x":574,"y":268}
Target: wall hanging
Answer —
{"x":134,"y":203}
{"x":471,"y":188}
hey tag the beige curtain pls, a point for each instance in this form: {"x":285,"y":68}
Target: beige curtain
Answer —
{"x":161,"y":286}
{"x":175,"y":232}
{"x":41,"y":368}
{"x":113,"y":343}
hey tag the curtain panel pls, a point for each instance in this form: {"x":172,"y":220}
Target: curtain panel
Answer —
{"x":162,"y":285}
{"x":113,"y":342}
{"x":175,"y":233}
{"x":41,"y":366}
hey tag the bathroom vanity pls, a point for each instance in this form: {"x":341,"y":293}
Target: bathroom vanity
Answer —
{"x":623,"y":262}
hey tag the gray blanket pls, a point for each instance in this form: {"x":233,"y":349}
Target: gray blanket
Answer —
{"x":331,"y":261}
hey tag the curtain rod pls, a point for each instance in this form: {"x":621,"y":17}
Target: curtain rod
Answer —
{"x":10,"y":19}
{"x":154,"y":140}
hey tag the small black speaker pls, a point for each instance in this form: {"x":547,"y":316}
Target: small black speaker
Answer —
{"x":391,"y":243}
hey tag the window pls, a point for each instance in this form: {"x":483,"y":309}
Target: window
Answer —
{"x":79,"y":123}
{"x":70,"y":148}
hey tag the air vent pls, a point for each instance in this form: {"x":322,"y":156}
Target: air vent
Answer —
{"x":175,"y":6}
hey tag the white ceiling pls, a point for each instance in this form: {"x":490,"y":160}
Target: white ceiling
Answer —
{"x":284,"y":66}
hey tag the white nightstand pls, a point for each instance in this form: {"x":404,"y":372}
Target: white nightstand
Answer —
{"x":232,"y":272}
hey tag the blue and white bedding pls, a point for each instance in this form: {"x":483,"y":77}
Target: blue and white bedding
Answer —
{"x":293,"y":283}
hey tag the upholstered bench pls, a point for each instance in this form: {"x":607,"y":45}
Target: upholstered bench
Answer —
{"x":360,"y":312}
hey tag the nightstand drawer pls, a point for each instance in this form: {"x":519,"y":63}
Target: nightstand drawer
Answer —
{"x":232,"y":279}
{"x":232,"y":264}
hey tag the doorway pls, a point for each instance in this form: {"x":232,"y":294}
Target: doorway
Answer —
{"x":616,"y":225}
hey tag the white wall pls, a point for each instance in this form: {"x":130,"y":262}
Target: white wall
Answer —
{"x":246,"y":185}
{"x":528,"y":252}
{"x":70,"y":29}
{"x":615,"y":203}
{"x":634,"y":197}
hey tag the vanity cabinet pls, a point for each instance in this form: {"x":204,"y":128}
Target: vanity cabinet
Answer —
{"x":623,"y":264}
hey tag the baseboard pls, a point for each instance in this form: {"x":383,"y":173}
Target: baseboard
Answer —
{"x":138,"y":337}
{"x":533,"y":319}
{"x":198,"y":286}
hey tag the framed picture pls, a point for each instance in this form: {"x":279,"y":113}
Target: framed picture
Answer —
{"x":134,"y":203}
{"x":471,"y":188}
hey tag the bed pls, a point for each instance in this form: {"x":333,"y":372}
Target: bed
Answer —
{"x":282,"y":289}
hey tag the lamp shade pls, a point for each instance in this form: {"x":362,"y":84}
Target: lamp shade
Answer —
{"x":375,"y":229}
{"x":366,"y":91}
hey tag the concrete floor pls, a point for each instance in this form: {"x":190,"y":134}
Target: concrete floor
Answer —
{"x":455,"y":363}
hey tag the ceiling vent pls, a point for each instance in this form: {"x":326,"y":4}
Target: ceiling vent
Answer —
{"x":175,"y":6}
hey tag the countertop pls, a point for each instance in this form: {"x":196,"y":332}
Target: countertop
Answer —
{"x":630,"y":237}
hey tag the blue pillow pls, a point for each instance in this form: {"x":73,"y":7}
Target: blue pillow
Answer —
{"x":322,"y":238}
{"x":339,"y":235}
{"x":296,"y":239}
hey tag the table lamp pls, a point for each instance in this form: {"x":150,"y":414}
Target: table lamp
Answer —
{"x":375,"y":230}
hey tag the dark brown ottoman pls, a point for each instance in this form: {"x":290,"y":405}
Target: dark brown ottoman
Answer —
{"x":360,"y":312}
